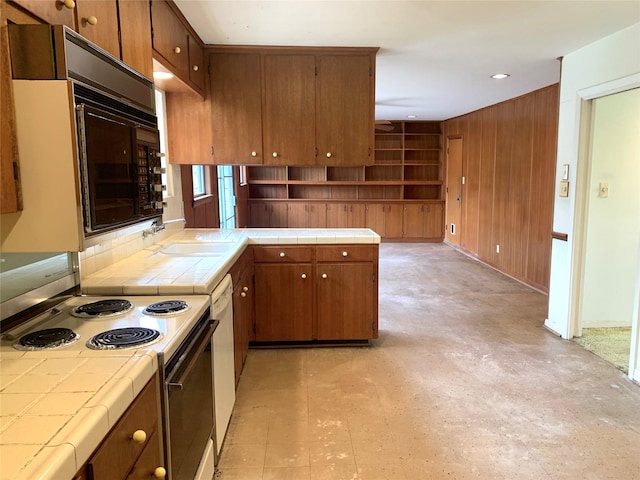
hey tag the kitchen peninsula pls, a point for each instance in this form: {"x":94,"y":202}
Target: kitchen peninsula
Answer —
{"x":112,"y":385}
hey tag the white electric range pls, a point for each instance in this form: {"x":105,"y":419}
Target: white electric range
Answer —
{"x":109,"y":324}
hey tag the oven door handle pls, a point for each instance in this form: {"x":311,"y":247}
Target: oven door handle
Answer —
{"x":193,"y":355}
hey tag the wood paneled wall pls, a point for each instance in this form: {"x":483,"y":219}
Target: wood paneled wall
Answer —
{"x":509,"y":160}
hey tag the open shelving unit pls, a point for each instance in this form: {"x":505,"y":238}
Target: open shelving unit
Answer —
{"x":407,"y":166}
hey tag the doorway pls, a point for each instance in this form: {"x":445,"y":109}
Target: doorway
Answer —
{"x":453,"y":189}
{"x":610,"y":261}
{"x":226,"y":198}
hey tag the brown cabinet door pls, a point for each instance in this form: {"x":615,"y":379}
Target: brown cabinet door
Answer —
{"x":278,"y":215}
{"x":135,"y":35}
{"x":284,"y":302}
{"x":236,"y":107}
{"x":414,"y":221}
{"x":196,"y":63}
{"x":344,"y":112}
{"x":393,"y":220}
{"x":242,"y":318}
{"x":97,"y":21}
{"x":434,"y":221}
{"x":297,"y":215}
{"x":189,"y":126}
{"x":170,"y":38}
{"x":345,"y":301}
{"x":259,"y":215}
{"x":149,"y":460}
{"x":316,"y":215}
{"x":288,"y":117}
{"x":374,"y":218}
{"x":50,"y":11}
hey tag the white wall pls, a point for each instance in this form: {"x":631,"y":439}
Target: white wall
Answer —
{"x":609,"y":65}
{"x":613,"y":222}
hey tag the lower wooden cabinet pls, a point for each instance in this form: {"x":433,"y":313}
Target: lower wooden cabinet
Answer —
{"x":123,"y":455}
{"x":385,"y":219}
{"x":243,"y":301}
{"x":346,"y":215}
{"x":268,"y":214}
{"x":423,"y":221}
{"x":305,"y":293}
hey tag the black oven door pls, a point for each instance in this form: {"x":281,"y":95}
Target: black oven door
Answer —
{"x":108,"y":168}
{"x":190,"y":408}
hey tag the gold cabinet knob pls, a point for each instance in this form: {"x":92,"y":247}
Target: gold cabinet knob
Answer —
{"x":274,"y":154}
{"x":303,"y":276}
{"x":177,"y":50}
{"x":345,"y":254}
{"x":160,"y":473}
{"x":282,"y":254}
{"x":70,"y":4}
{"x":245,"y":289}
{"x":254,"y":154}
{"x":324,"y":275}
{"x":139,"y":436}
{"x":92,"y":20}
{"x":328,"y":154}
{"x":243,"y":294}
{"x":195,"y":68}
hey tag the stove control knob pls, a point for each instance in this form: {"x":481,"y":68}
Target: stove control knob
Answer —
{"x":139,"y":436}
{"x":159,"y":473}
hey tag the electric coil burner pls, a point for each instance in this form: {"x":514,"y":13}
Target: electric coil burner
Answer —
{"x":103,"y":308}
{"x":167,"y":307}
{"x":121,"y":338}
{"x":46,"y":339}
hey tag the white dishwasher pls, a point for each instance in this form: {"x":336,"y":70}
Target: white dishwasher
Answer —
{"x":224,"y":379}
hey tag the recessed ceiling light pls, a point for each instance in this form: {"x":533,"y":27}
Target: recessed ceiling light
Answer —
{"x":500,"y":76}
{"x":162,"y":75}
{"x":412,"y":116}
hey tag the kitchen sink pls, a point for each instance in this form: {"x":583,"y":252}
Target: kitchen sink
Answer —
{"x":196,"y":249}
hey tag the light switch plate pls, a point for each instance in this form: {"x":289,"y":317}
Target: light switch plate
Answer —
{"x":564,"y":189}
{"x":603,"y":189}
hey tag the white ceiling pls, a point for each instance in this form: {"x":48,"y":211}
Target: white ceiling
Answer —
{"x":435,"y":57}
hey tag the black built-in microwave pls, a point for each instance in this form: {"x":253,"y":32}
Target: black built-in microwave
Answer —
{"x":118,"y":143}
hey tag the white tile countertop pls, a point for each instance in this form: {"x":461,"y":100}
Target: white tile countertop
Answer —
{"x":56,"y":407}
{"x":152,"y":272}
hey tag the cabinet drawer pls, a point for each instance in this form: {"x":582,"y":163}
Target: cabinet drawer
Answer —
{"x":283,"y":254}
{"x":118,"y":453}
{"x":347,"y":253}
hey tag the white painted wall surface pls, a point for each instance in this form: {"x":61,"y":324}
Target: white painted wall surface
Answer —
{"x":613,"y":222}
{"x":611,"y":61}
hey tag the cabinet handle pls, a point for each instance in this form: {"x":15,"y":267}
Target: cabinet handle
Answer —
{"x":345,"y":254}
{"x":324,"y":275}
{"x":139,"y":436}
{"x":243,"y":294}
{"x":274,"y":154}
{"x":245,"y":289}
{"x":254,"y":154}
{"x":282,"y":254}
{"x":177,"y":50}
{"x":328,"y":154}
{"x":195,"y":68}
{"x":160,"y":473}
{"x":92,"y":20}
{"x":303,"y":276}
{"x":70,"y":4}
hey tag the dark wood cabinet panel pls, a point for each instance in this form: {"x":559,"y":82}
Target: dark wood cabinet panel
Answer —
{"x":423,"y":220}
{"x":196,"y":63}
{"x":97,"y":21}
{"x":236,"y":107}
{"x":345,"y":303}
{"x":386,"y":219}
{"x":189,"y":124}
{"x":345,"y":215}
{"x":55,"y":12}
{"x":170,"y":37}
{"x":135,"y":35}
{"x":288,"y":121}
{"x":284,"y":302}
{"x":343,"y":110}
{"x":243,"y":299}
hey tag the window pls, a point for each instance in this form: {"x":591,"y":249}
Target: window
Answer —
{"x":226,"y":199}
{"x":199,"y":181}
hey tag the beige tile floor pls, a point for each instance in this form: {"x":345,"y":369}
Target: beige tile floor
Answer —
{"x":464,"y":382}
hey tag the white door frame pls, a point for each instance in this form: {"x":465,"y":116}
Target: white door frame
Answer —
{"x":583,"y":174}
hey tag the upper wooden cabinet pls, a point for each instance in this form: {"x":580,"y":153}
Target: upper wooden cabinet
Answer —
{"x":97,"y":21}
{"x":316,"y":105}
{"x":120,"y":27}
{"x":236,"y":101}
{"x":135,"y":35}
{"x":176,"y":47}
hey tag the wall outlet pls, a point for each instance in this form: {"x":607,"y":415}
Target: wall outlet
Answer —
{"x":603,"y":189}
{"x":497,"y":248}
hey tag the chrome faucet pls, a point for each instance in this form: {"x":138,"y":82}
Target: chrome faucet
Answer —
{"x":158,"y":227}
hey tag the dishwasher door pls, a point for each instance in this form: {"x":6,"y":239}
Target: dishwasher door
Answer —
{"x":223,"y":358}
